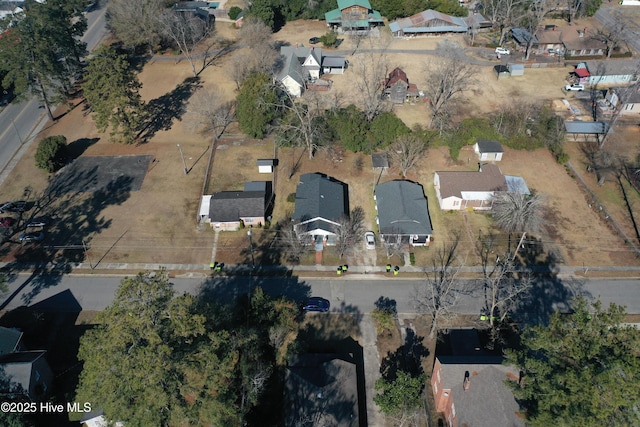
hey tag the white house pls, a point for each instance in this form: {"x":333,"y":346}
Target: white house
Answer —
{"x":300,"y":64}
{"x":488,"y":150}
{"x":458,"y":190}
{"x":608,"y":73}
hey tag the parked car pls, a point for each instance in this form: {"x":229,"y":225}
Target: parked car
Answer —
{"x":20,"y":206}
{"x":6,"y":222}
{"x":314,"y":40}
{"x":317,"y":304}
{"x":502,"y":51}
{"x":42,"y":221}
{"x":574,"y":87}
{"x":32,"y":237}
{"x":370,"y":240}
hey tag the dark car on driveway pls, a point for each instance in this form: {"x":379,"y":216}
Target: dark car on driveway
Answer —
{"x":314,"y":40}
{"x":317,"y":304}
{"x":32,"y":237}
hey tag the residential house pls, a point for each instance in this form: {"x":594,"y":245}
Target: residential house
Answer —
{"x":322,"y":389}
{"x":230,"y":210}
{"x":202,"y":9}
{"x":457,"y":190}
{"x":630,"y":101}
{"x":300,"y":64}
{"x":353,"y":15}
{"x":613,"y":72}
{"x":403,"y":213}
{"x":321,"y":203}
{"x":469,"y":386}
{"x":428,"y":22}
{"x":584,"y":46}
{"x":488,"y":150}
{"x":398,"y":89}
{"x":10,"y":340}
{"x":25,"y":375}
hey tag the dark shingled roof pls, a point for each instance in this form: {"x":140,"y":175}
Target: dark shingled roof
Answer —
{"x":453,"y":182}
{"x":402,"y":208}
{"x":9,"y":339}
{"x":319,"y":196}
{"x":229,"y":206}
{"x":599,"y":128}
{"x":489,"y":146}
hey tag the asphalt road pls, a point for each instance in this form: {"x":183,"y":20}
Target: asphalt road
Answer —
{"x":355,"y":294}
{"x":20,"y":123}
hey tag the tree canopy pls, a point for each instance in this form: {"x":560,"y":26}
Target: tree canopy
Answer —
{"x":51,"y":153}
{"x":581,"y":369}
{"x":111,"y":89}
{"x":41,"y":51}
{"x":256,"y":105}
{"x":157,"y":359}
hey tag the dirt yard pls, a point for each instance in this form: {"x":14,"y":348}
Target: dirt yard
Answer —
{"x":158,"y":223}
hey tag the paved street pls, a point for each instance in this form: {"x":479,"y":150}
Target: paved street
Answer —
{"x":353,"y":293}
{"x":21,"y":123}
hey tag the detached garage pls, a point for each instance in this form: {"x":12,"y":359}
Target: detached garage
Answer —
{"x":488,"y":150}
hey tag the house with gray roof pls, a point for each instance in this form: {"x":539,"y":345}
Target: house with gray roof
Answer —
{"x":428,"y":22}
{"x":321,"y":202}
{"x":353,"y":16}
{"x":300,"y":64}
{"x":458,"y":190}
{"x":403,"y":213}
{"x":230,"y":210}
{"x":469,"y":385}
{"x":610,"y":72}
{"x":25,"y":374}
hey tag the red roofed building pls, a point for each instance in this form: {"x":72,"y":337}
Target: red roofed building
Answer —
{"x":397,"y":87}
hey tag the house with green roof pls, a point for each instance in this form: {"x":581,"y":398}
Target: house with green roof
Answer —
{"x":353,"y":15}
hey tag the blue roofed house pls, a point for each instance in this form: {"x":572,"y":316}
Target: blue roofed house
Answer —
{"x":321,"y":203}
{"x":428,"y":22}
{"x":403,"y":214}
{"x":353,"y":15}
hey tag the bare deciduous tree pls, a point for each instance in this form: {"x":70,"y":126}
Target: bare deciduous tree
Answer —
{"x":504,"y":14}
{"x":208,"y":113}
{"x":440,"y":292}
{"x":349,"y":231}
{"x":188,"y":31}
{"x":503,"y":285}
{"x":407,"y":151}
{"x":370,"y":67}
{"x":136,"y":23}
{"x":258,"y":55}
{"x":302,"y":124}
{"x":613,"y":35}
{"x":292,"y":246}
{"x":447,"y":77}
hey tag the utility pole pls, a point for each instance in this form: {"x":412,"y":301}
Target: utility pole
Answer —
{"x":183,"y":161}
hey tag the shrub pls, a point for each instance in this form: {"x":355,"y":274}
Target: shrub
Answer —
{"x":384,"y":321}
{"x":52,"y":152}
{"x":329,"y":39}
{"x":234,"y":12}
{"x":412,"y":258}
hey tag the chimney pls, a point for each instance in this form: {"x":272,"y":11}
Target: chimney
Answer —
{"x":479,"y":167}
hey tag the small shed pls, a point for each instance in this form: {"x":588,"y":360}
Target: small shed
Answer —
{"x":266,"y":165}
{"x":488,"y":150}
{"x":380,"y":161}
{"x":516,"y":69}
{"x":502,"y":71}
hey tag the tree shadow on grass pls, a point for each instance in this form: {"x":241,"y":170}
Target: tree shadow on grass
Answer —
{"x":163,"y":110}
{"x":76,"y":148}
{"x":407,"y":358}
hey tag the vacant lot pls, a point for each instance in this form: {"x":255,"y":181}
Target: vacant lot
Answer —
{"x":158,"y":223}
